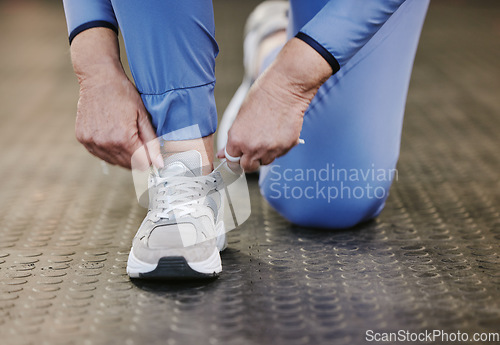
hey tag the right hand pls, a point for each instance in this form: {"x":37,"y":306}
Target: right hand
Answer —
{"x":112,"y":122}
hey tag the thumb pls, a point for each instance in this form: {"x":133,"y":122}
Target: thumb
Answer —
{"x":221,"y":154}
{"x":150,"y":140}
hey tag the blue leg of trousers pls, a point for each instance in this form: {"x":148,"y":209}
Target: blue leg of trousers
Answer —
{"x":171,"y":50}
{"x":352,"y":129}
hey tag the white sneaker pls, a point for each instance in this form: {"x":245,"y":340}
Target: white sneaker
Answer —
{"x":267,"y":18}
{"x":183,"y":232}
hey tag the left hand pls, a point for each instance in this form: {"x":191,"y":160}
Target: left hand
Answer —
{"x":268,"y":124}
{"x":270,"y":119}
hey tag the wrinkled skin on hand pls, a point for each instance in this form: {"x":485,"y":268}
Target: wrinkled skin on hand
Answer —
{"x":270,"y":119}
{"x":111,"y":122}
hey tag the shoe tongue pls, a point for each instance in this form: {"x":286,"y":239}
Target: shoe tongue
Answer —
{"x":182,"y":164}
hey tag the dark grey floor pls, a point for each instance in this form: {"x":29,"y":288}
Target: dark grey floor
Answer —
{"x":431,"y":260}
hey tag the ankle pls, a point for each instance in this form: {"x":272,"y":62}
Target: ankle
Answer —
{"x":203,"y":145}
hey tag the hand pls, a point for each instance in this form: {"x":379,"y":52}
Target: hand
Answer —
{"x":268,"y":124}
{"x":112,"y":122}
{"x":270,"y":119}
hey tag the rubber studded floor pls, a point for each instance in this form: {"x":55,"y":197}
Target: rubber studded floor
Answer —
{"x":430,"y":261}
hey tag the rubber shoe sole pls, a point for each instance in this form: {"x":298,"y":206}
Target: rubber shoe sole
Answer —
{"x":175,"y":268}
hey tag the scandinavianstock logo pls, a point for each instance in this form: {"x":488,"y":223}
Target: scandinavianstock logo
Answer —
{"x":330,"y":183}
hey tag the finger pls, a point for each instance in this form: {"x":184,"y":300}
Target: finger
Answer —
{"x":117,"y":151}
{"x":220,"y":153}
{"x":148,"y":137}
{"x":268,"y":159}
{"x":283,"y":152}
{"x":269,"y":156}
{"x":235,"y":167}
{"x":154,"y":151}
{"x":232,"y":148}
{"x":115,"y":155}
{"x":248,"y":164}
{"x":112,"y":157}
{"x":124,"y":160}
{"x":139,"y":159}
{"x":97,"y":152}
{"x":231,"y":158}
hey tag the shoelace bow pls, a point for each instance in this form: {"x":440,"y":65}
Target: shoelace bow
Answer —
{"x":180,"y":194}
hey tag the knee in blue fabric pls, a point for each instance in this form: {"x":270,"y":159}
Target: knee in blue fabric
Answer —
{"x":352,"y":128}
{"x":326,"y":197}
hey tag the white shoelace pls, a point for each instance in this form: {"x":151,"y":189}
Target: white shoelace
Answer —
{"x":180,"y":195}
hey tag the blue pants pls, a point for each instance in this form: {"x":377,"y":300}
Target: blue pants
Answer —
{"x":352,"y":129}
{"x":171,"y":50}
